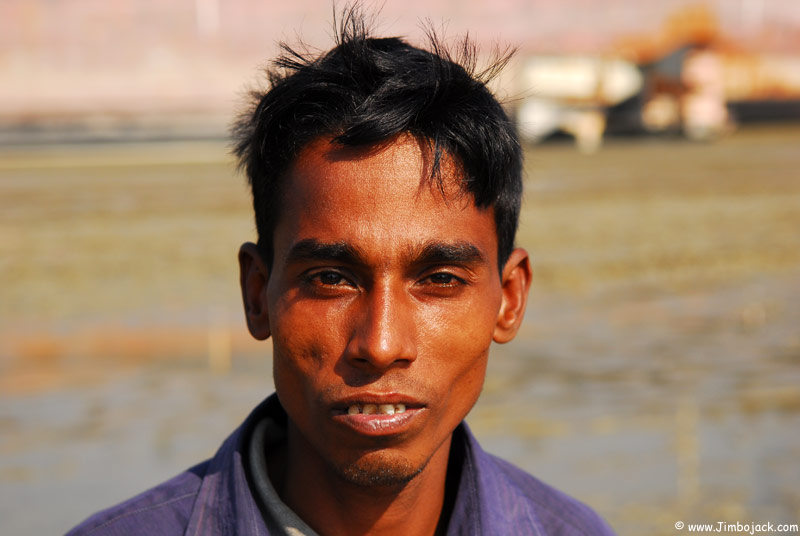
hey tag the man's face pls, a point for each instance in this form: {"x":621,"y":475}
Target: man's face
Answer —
{"x":383,"y":296}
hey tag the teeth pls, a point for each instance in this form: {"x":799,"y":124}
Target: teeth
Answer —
{"x":372,"y":409}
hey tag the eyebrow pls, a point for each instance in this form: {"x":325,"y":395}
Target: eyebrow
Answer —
{"x":449,"y":253}
{"x":311,"y":249}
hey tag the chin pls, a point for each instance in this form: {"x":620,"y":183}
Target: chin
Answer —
{"x":379,"y":469}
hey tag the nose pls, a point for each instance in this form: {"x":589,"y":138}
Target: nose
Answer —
{"x":384,"y":334}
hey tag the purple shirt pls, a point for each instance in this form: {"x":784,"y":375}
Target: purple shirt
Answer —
{"x":215,"y":499}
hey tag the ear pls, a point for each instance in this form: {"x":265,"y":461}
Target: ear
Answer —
{"x":516,"y":281}
{"x":253,"y":277}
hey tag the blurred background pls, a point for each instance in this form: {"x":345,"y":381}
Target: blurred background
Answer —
{"x":657,"y":375}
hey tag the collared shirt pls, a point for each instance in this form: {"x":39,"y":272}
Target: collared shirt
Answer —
{"x":217,"y":498}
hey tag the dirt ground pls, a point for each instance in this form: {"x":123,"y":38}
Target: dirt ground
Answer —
{"x":657,"y":376}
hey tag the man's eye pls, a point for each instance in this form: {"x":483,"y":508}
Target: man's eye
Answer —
{"x":329,"y":278}
{"x":444,"y":279}
{"x":327,"y":283}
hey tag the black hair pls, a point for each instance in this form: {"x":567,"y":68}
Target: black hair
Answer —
{"x":366,"y":91}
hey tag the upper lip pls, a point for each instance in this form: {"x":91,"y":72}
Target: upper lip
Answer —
{"x":377,"y":399}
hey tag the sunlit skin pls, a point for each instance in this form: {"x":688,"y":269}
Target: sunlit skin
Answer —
{"x":381,"y":289}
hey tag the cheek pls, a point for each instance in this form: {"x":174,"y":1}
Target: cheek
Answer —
{"x":299,"y":365}
{"x":462,"y":329}
{"x":469,"y":378}
{"x":307,"y":340}
{"x":460,"y":341}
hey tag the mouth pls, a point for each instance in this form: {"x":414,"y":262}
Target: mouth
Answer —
{"x":378,"y":416}
{"x":375,"y":409}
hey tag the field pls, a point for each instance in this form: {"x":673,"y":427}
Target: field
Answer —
{"x":657,"y":376}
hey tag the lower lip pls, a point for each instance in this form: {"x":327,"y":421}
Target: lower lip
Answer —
{"x":379,"y":425}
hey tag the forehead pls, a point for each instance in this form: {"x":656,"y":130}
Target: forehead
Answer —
{"x":388,"y":166}
{"x":380,"y":195}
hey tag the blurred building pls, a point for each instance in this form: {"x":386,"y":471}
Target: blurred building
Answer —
{"x":149,"y":68}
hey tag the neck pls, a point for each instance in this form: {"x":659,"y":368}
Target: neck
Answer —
{"x":334,"y":506}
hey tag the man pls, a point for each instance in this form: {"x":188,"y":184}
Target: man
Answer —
{"x":386,"y":183}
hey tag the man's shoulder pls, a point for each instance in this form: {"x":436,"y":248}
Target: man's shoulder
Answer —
{"x":555,"y":511}
{"x":162,"y":510}
{"x":504,"y":499}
